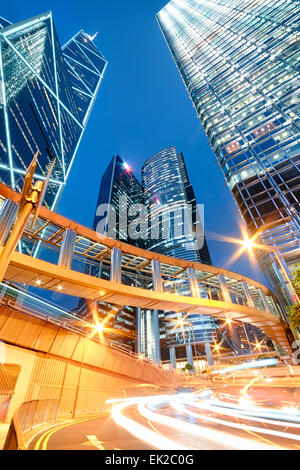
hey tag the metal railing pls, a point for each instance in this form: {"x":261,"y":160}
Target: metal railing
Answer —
{"x":107,"y":266}
{"x":30,"y":415}
{"x":12,"y":301}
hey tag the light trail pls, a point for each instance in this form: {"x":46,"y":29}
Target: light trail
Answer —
{"x":222,"y":438}
{"x":249,"y":365}
{"x":243,"y":427}
{"x":250,"y":415}
{"x":142,"y":432}
{"x":154,"y":409}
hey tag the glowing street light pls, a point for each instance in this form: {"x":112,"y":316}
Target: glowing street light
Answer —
{"x":98,"y":328}
{"x":248,"y":244}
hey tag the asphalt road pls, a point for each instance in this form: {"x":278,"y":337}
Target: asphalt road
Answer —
{"x":230,"y":417}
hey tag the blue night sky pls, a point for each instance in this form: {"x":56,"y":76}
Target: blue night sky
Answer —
{"x":142,"y":107}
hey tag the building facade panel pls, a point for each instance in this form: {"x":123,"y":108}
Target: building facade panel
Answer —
{"x":39,"y":106}
{"x":240,"y":64}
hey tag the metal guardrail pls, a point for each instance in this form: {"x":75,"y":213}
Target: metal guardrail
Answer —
{"x":29,"y":415}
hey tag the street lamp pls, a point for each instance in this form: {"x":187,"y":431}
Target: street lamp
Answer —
{"x":249,"y":243}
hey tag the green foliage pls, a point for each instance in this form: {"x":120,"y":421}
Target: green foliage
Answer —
{"x":294,"y":315}
{"x":262,"y":356}
{"x":188,"y":367}
{"x":296,"y":279}
{"x":294,"y":311}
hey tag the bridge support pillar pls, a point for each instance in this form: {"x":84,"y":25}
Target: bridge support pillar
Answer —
{"x":189,"y":354}
{"x":67,"y":248}
{"x":172,"y":354}
{"x":115,"y":267}
{"x":7,"y":217}
{"x":157,"y":286}
{"x":155,"y":316}
{"x":156,"y":276}
{"x":208,"y":353}
{"x":139,"y":331}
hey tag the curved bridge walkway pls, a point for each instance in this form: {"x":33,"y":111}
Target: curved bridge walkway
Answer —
{"x":99,"y":268}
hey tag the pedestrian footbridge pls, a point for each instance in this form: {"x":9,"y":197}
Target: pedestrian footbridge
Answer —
{"x":84,"y":264}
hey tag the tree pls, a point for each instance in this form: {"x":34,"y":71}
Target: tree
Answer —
{"x":296,"y":279}
{"x":294,"y":311}
{"x":294,"y":315}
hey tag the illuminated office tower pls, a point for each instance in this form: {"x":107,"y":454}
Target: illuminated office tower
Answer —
{"x":119,"y":190}
{"x":47,"y":93}
{"x":239,"y":61}
{"x":169,"y":194}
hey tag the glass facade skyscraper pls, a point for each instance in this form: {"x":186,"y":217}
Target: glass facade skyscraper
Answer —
{"x":165,"y":192}
{"x":169,"y":193}
{"x":239,"y":61}
{"x":119,"y":190}
{"x":46,"y":95}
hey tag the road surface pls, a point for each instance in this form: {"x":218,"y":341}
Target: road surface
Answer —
{"x":228,"y":417}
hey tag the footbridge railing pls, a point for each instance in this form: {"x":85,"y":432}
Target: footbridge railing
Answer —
{"x":65,"y":256}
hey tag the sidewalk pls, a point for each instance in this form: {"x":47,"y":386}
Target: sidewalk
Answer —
{"x":3,"y":431}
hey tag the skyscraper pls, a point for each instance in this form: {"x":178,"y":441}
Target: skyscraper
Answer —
{"x":239,"y":61}
{"x":47,"y":93}
{"x":169,"y":194}
{"x":165,"y":192}
{"x":119,"y":190}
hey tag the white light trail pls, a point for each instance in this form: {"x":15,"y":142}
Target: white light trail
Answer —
{"x":242,"y":427}
{"x":221,"y":438}
{"x":141,"y":432}
{"x":249,"y":365}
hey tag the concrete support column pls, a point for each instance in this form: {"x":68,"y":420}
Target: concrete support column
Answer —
{"x":189,"y":354}
{"x":156,"y":334}
{"x":208,"y":353}
{"x":224,"y":290}
{"x":157,"y":286}
{"x":67,"y":248}
{"x":249,"y":299}
{"x":115,"y":266}
{"x":139,"y":330}
{"x":156,"y":276}
{"x":193,"y":282}
{"x":172,"y":353}
{"x":7,"y":218}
